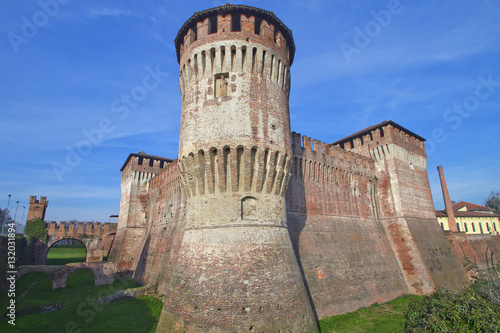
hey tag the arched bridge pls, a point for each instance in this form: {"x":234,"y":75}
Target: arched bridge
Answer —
{"x":104,"y":272}
{"x":98,"y":238}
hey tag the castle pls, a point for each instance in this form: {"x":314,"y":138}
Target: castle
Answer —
{"x":257,"y":229}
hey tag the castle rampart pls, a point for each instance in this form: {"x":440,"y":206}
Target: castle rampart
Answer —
{"x":137,"y":171}
{"x":97,"y":238}
{"x":278,"y":226}
{"x":165,"y":228}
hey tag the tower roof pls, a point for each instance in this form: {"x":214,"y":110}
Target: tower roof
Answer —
{"x":143,"y":154}
{"x":384,"y":123}
{"x":227,"y":9}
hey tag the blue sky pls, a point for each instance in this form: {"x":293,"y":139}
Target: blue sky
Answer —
{"x":433,"y":67}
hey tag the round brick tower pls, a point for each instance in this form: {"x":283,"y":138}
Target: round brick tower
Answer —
{"x":237,"y":271}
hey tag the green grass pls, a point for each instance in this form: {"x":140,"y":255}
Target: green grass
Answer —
{"x":383,"y":318}
{"x":81,"y":313}
{"x":63,"y":256}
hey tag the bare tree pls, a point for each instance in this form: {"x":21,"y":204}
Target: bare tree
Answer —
{"x":493,"y":201}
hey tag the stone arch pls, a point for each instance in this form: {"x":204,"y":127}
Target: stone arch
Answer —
{"x":41,"y":275}
{"x":50,"y":244}
{"x":93,"y":244}
{"x":71,"y":275}
{"x":104,"y":272}
{"x":97,"y":238}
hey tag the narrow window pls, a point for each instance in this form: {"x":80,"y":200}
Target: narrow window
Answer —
{"x":442,"y":226}
{"x":151,"y":162}
{"x":196,"y":66}
{"x":239,"y":158}
{"x":258,"y":22}
{"x":466,"y":229}
{"x":243,"y":57}
{"x":222,"y":58}
{"x":473,"y":227}
{"x":272,"y":67}
{"x":254,"y":57}
{"x":195,"y":32}
{"x":278,"y":72}
{"x":212,"y":59}
{"x":481,"y":227}
{"x":235,"y":22}
{"x":233,"y":57}
{"x":212,"y":24}
{"x":263,"y":62}
{"x":203,"y":63}
{"x":458,"y":226}
{"x":252,"y":163}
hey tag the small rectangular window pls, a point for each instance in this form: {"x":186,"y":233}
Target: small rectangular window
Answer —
{"x":235,"y":22}
{"x":258,"y":22}
{"x":212,"y":24}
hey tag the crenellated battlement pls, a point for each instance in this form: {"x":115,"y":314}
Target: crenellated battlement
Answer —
{"x":34,"y":200}
{"x":37,"y":208}
{"x":318,"y":161}
{"x":383,"y":134}
{"x":224,"y":60}
{"x":235,"y":169}
{"x":143,"y":167}
{"x":88,"y":228}
{"x":230,"y":22}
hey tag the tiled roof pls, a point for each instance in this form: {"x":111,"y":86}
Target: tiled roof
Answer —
{"x":228,"y":8}
{"x":470,"y":206}
{"x":441,"y":213}
{"x":369,"y":129}
{"x":143,"y":154}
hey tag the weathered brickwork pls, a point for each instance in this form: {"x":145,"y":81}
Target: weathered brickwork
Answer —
{"x":104,"y":272}
{"x":37,"y":208}
{"x":254,"y":228}
{"x":342,"y":247}
{"x":137,"y":171}
{"x":482,"y":246}
{"x":97,"y":237}
{"x":165,"y":228}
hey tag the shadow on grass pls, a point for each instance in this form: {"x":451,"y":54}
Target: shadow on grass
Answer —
{"x":81,"y":313}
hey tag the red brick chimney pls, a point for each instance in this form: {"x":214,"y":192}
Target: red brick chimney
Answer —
{"x":447,"y":202}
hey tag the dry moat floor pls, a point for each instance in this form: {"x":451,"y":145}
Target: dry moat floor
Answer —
{"x":74,"y":309}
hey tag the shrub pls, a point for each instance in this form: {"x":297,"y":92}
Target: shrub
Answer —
{"x":444,"y":311}
{"x":35,"y":230}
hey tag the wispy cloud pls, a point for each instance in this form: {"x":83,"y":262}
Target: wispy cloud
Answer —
{"x":114,"y":12}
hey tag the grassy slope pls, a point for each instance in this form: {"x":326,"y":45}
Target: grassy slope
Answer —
{"x":62,"y":256}
{"x":82,"y":313}
{"x":383,"y":318}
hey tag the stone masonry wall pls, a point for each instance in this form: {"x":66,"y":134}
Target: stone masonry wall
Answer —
{"x":138,"y":170}
{"x":165,"y":228}
{"x":342,"y":248}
